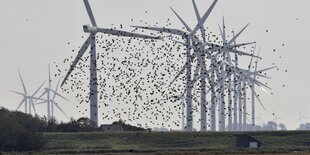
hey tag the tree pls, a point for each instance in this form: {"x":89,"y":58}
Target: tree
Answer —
{"x":271,"y":126}
{"x":305,"y":126}
{"x":18,"y":131}
{"x":282,"y":127}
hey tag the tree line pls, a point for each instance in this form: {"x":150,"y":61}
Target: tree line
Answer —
{"x":23,"y":132}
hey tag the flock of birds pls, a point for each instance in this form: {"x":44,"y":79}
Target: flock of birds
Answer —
{"x":142,"y":81}
{"x":135,"y":78}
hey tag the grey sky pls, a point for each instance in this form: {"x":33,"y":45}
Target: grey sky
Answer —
{"x":36,"y":32}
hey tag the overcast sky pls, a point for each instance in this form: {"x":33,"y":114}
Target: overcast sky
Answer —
{"x":36,"y":32}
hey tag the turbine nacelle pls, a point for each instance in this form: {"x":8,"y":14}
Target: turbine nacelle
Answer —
{"x":90,"y":29}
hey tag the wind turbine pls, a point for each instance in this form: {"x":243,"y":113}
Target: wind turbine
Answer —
{"x":253,"y":89}
{"x":50,"y":101}
{"x":91,"y":42}
{"x":252,"y":86}
{"x":27,"y":99}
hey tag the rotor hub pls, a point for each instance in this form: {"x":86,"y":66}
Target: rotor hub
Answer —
{"x":90,"y":29}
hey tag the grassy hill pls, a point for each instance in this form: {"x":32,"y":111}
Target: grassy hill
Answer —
{"x":182,"y":142}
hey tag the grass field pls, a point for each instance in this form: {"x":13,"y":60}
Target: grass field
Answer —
{"x":173,"y":142}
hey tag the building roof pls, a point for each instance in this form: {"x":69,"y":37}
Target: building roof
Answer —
{"x":246,"y":136}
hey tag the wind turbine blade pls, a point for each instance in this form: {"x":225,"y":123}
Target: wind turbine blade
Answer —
{"x":125,"y":34}
{"x":177,"y":76}
{"x":250,"y":65}
{"x":248,"y":74}
{"x":256,"y":64}
{"x":166,"y":30}
{"x":60,"y":109}
{"x":236,"y":55}
{"x":221,"y":32}
{"x":237,"y":35}
{"x":196,"y":79}
{"x":34,"y":109}
{"x":56,"y":90}
{"x":259,"y":71}
{"x":49,"y":77}
{"x":242,"y":44}
{"x":40,"y":96}
{"x":244,"y":53}
{"x":213,"y":45}
{"x":198,"y":17}
{"x":261,"y":84}
{"x":184,"y":44}
{"x":224,"y":31}
{"x":204,"y":17}
{"x":264,"y":76}
{"x":38,"y":89}
{"x":182,"y":21}
{"x":17,"y":93}
{"x":179,"y":42}
{"x":90,"y":13}
{"x":255,"y":70}
{"x":58,"y":95}
{"x":78,"y":57}
{"x":196,"y":10}
{"x":264,"y":90}
{"x":40,"y":102}
{"x":21,"y":79}
{"x":23,"y":100}
{"x":177,"y":97}
{"x":257,"y":97}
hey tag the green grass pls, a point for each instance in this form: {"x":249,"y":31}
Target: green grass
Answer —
{"x":213,"y":142}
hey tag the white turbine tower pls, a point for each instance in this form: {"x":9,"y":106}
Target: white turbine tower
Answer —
{"x":253,"y":89}
{"x":201,"y":63}
{"x":27,"y":99}
{"x":91,"y":42}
